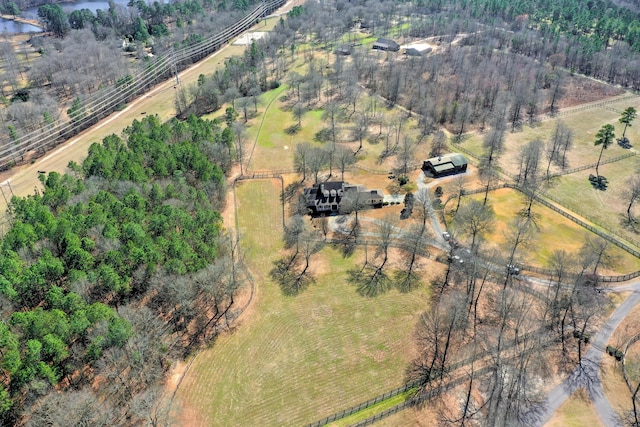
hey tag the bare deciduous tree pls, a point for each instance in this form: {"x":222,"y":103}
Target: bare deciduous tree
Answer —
{"x":301,"y":158}
{"x":413,"y":244}
{"x":372,"y":279}
{"x":474,"y":219}
{"x":345,"y":158}
{"x":438,"y":143}
{"x":632,"y":193}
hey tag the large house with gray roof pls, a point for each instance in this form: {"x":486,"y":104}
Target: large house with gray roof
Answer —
{"x":328,"y":197}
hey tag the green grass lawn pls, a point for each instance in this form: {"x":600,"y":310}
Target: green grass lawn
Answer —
{"x":553,"y":232}
{"x":371,"y":411}
{"x":585,"y":124}
{"x":574,"y":191}
{"x":275,"y":147}
{"x":293,"y":360}
{"x":605,"y":208}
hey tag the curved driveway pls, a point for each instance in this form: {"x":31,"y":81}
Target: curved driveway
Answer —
{"x":587,"y":375}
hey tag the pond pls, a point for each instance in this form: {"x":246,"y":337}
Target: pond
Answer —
{"x":13,"y":27}
{"x":69,"y":7}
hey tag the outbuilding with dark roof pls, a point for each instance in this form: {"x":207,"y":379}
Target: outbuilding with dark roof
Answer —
{"x":446,"y":164}
{"x":386,"y":44}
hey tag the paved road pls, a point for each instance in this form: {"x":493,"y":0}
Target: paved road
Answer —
{"x":587,"y":375}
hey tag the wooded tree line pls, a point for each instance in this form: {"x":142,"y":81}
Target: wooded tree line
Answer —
{"x":598,"y":40}
{"x":519,"y":34}
{"x":497,"y":27}
{"x":243,"y":79}
{"x":497,"y":335}
{"x":88,"y":54}
{"x":113,"y":270}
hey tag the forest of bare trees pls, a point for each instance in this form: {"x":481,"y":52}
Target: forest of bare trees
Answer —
{"x":489,"y":335}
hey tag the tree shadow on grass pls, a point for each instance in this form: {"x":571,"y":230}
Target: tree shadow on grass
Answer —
{"x":293,"y":129}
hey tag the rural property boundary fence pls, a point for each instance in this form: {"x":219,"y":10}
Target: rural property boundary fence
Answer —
{"x":357,"y":408}
{"x":419,"y":398}
{"x":601,"y":104}
{"x":104,"y":102}
{"x":592,"y":166}
{"x":599,"y":232}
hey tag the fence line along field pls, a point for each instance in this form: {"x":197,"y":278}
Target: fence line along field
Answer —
{"x":552,"y":232}
{"x":296,"y":359}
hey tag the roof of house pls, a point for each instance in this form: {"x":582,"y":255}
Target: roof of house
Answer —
{"x":442,"y":161}
{"x":386,"y":42}
{"x":333,"y":191}
{"x":317,"y":190}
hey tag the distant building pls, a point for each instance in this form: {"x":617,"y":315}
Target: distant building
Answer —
{"x":417,"y":49}
{"x":447,"y":164}
{"x":328,"y":197}
{"x":343,"y":50}
{"x":386,"y":44}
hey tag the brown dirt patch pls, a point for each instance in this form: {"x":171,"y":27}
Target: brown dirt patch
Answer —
{"x":580,"y":90}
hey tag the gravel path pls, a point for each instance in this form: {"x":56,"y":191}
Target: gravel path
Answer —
{"x":587,"y":375}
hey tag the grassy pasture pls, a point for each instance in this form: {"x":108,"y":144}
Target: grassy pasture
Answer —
{"x":584,"y":124}
{"x":606,"y":208}
{"x":574,"y":191}
{"x":275,"y":148}
{"x":371,"y":411}
{"x":554,"y":232}
{"x":293,"y":360}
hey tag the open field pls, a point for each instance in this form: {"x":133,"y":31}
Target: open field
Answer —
{"x":274,"y":147}
{"x":574,"y":191}
{"x":553,"y":232}
{"x":293,"y":360}
{"x":322,"y":358}
{"x":584,"y":123}
{"x":605,"y":208}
